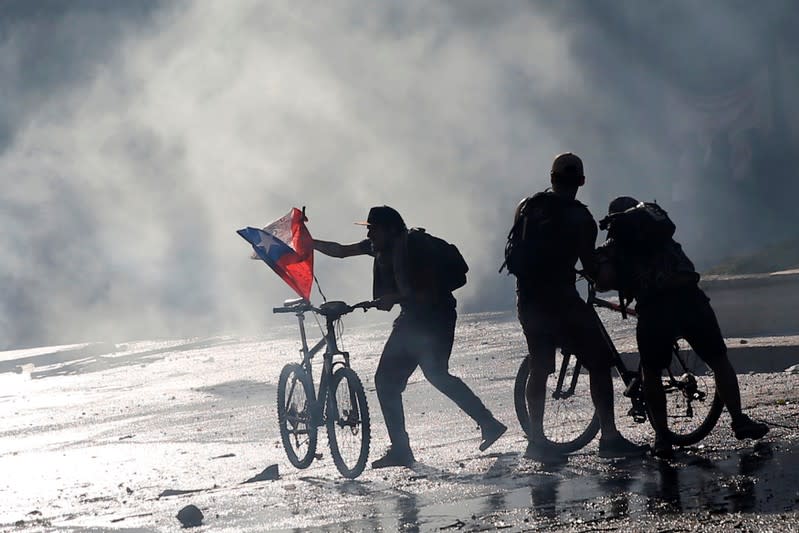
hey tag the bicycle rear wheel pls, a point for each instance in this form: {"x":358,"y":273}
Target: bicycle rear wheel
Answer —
{"x":295,"y":399}
{"x":520,"y":395}
{"x":348,"y":429}
{"x":570,"y":420}
{"x":692,"y":405}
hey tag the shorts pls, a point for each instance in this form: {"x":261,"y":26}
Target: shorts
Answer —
{"x":564,"y":321}
{"x":678,"y":313}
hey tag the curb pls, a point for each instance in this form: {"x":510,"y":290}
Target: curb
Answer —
{"x":755,"y":304}
{"x":762,"y":354}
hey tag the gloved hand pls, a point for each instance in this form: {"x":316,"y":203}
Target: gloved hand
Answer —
{"x":385,"y":303}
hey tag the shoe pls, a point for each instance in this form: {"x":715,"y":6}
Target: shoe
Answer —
{"x":544,"y":453}
{"x":662,"y":448}
{"x":620,"y":447}
{"x":394,"y":458}
{"x":491,"y":432}
{"x":746,"y":428}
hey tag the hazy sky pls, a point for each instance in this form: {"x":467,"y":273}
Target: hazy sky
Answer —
{"x":137,"y":137}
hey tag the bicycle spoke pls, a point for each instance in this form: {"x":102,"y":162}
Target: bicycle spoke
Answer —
{"x":569,"y":421}
{"x":568,"y":413}
{"x":348,"y":423}
{"x":691,"y":404}
{"x":297,"y":430}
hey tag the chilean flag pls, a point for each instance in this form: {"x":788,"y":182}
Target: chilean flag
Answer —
{"x":287,"y":247}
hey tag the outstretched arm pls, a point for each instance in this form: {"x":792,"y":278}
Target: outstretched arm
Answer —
{"x":334,"y":249}
{"x":587,"y":249}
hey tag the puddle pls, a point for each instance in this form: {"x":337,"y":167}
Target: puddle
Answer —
{"x":759,"y":480}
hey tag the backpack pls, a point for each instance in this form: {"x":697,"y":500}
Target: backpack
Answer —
{"x":536,"y":240}
{"x":646,"y":256}
{"x":643,"y":227}
{"x":449,"y":265}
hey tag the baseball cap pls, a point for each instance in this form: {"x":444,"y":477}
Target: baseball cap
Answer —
{"x":567,"y":165}
{"x":385,"y":216}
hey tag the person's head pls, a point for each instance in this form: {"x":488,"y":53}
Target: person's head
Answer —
{"x":618,"y":205}
{"x":567,"y":173}
{"x":384,"y":224}
{"x":621,"y":204}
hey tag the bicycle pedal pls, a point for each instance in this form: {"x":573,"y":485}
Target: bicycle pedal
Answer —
{"x":637,"y":416}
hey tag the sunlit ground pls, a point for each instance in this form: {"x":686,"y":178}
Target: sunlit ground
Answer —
{"x":123,"y":436}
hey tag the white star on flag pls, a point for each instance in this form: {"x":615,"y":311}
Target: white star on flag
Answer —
{"x":267,"y":241}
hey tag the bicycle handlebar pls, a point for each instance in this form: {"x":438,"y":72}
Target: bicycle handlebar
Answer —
{"x":334,"y":309}
{"x":284,"y":310}
{"x":593,"y":299}
{"x":365,"y":305}
{"x":599,"y":302}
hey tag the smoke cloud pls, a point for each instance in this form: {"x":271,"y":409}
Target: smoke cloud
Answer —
{"x":136,"y":137}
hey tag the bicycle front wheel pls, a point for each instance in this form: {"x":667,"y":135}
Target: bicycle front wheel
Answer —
{"x":692,"y":405}
{"x":348,"y":429}
{"x":570,"y":420}
{"x":295,"y":399}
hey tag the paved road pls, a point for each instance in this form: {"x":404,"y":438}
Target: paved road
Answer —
{"x":120,"y":437}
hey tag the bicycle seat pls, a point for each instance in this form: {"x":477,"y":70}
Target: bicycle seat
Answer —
{"x":334,"y":309}
{"x":295,"y":302}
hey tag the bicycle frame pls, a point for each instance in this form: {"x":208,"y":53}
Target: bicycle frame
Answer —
{"x":689,"y":387}
{"x":300,"y":416}
{"x":329,"y":343}
{"x":632,"y":378}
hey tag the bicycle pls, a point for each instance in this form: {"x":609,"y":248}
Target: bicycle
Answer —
{"x":570,"y":420}
{"x":339,"y":403}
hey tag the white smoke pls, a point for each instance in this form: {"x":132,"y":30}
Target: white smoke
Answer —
{"x":135,"y":143}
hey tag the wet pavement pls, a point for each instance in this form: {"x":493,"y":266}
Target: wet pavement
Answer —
{"x":121,"y":436}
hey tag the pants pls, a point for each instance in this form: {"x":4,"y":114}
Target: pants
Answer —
{"x":563,"y":320}
{"x":683,"y":312}
{"x":421,"y":340}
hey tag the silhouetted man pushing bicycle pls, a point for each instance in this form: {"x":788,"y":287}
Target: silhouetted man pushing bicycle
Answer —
{"x":645,"y":263}
{"x":550,"y":232}
{"x":405,"y":273}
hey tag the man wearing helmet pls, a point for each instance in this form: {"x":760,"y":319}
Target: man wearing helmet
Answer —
{"x":552,"y":232}
{"x":643,"y":262}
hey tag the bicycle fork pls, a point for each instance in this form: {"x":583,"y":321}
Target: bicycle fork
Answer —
{"x":559,"y":393}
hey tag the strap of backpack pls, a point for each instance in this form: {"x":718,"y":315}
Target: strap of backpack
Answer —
{"x":517,"y":224}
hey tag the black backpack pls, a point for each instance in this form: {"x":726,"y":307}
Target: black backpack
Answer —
{"x":449,"y":264}
{"x":647,"y":257}
{"x":536,"y":240}
{"x":644,"y":227}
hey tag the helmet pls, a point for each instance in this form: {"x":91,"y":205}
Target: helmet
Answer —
{"x":622,"y":203}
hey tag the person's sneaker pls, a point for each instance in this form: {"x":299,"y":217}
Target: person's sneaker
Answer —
{"x":544,"y":453}
{"x":662,"y":448}
{"x":491,"y":432}
{"x":394,"y":458}
{"x":746,"y":428}
{"x":620,"y":447}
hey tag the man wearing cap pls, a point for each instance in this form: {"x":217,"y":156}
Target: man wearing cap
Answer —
{"x":422,"y":334}
{"x":649,"y":266}
{"x":559,"y":230}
